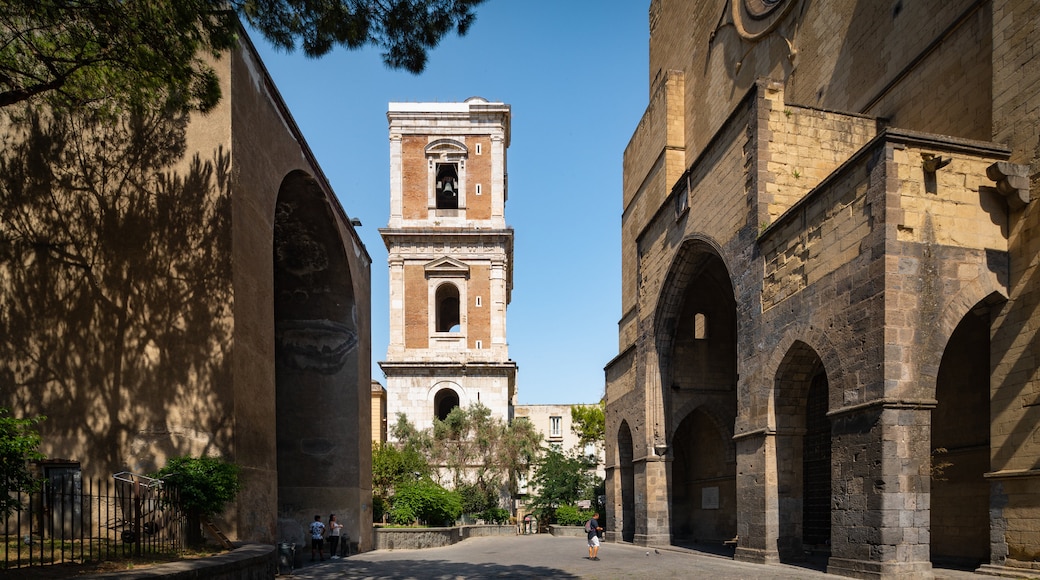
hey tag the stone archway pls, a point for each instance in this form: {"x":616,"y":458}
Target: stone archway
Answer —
{"x":703,"y":489}
{"x":444,"y":402}
{"x":803,"y":454}
{"x":695,"y":331}
{"x":316,"y":358}
{"x":961,"y":446}
{"x":628,"y":483}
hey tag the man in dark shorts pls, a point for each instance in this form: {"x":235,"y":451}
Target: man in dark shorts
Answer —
{"x":317,"y":538}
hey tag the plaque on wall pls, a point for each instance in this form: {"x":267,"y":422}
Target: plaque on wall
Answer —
{"x":710,"y":498}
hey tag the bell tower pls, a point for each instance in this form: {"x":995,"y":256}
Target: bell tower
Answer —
{"x":450,"y":259}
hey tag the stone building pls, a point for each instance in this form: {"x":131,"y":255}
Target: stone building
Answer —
{"x":451,"y":260}
{"x":554,"y":423}
{"x":828,"y":339}
{"x":379,"y":417}
{"x":214,"y":299}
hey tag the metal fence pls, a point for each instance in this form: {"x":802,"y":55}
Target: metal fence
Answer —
{"x":70,"y":520}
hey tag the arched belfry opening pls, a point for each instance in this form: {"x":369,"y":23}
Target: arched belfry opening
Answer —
{"x":960,"y":446}
{"x":803,"y":454}
{"x":316,"y":355}
{"x":447,"y":186}
{"x":696,"y":330}
{"x":628,"y":483}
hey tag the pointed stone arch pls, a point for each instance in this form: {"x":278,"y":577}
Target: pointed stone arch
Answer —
{"x":960,"y":438}
{"x":316,"y":354}
{"x":626,"y":471}
{"x":798,"y":419}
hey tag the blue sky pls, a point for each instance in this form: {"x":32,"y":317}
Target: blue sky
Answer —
{"x":575,"y":74}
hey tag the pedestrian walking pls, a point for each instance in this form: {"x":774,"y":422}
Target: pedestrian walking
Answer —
{"x":593,"y":529}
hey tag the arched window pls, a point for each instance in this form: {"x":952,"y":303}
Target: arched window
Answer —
{"x":447,"y":300}
{"x":700,"y":326}
{"x":443,"y":402}
{"x":447,"y":186}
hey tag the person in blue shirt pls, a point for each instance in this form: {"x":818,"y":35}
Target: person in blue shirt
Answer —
{"x":593,"y":528}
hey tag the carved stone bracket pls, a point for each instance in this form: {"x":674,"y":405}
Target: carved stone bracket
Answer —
{"x":1012,"y":182}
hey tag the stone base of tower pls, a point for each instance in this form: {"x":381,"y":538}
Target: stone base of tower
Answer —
{"x":872,"y":569}
{"x":756,"y":556}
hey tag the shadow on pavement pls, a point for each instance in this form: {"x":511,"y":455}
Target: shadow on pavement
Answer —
{"x":426,"y":569}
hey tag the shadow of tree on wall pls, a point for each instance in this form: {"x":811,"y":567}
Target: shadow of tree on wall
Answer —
{"x":115,"y":287}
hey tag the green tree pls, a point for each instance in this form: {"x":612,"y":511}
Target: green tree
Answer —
{"x":393,"y":465}
{"x":78,"y":52}
{"x":588,"y":422}
{"x":19,"y":445}
{"x":562,"y":480}
{"x":473,"y":446}
{"x":475,"y":453}
{"x":204,"y":486}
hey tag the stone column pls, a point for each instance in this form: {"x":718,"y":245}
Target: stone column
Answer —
{"x":652,"y":521}
{"x":612,"y":484}
{"x":758,"y":518}
{"x":880,"y":490}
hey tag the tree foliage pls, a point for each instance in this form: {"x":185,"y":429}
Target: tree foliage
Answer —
{"x":204,"y":484}
{"x":393,"y":465}
{"x":473,"y":446}
{"x":426,"y":502}
{"x":19,"y":445}
{"x":78,"y":52}
{"x":563,"y":480}
{"x":588,"y":422}
{"x":474,"y":453}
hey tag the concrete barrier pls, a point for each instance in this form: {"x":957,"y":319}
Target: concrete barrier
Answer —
{"x":567,"y":531}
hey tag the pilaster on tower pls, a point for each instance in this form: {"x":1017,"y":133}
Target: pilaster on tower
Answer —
{"x":450,"y":259}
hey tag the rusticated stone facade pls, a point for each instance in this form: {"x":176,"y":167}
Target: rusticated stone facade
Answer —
{"x":208,"y":296}
{"x":828,"y":342}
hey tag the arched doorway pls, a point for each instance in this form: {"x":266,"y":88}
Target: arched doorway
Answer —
{"x":703,"y":490}
{"x":696,"y":341}
{"x":316,"y":358}
{"x":803,"y":450}
{"x":628,"y":483}
{"x":443,"y":402}
{"x":961,"y":446}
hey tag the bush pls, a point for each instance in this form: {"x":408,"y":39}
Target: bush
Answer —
{"x":494,"y":515}
{"x":427,"y":502}
{"x":568,"y":515}
{"x":204,"y":485}
{"x":19,"y":445}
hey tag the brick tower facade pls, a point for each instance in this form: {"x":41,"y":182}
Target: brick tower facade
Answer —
{"x":450,"y":258}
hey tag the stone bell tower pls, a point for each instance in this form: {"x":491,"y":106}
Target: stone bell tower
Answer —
{"x":451,"y":260}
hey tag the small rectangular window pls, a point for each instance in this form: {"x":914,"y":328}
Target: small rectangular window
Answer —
{"x":479,"y":302}
{"x":479,"y":149}
{"x":478,"y":345}
{"x":554,"y":427}
{"x":700,"y":326}
{"x":480,"y":190}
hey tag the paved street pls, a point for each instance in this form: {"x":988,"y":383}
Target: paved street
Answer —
{"x":546,"y":556}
